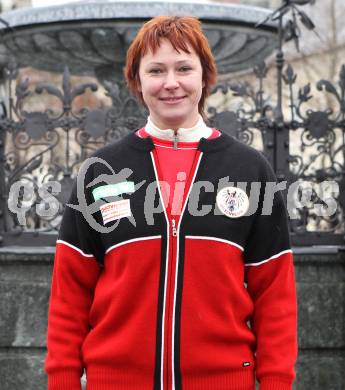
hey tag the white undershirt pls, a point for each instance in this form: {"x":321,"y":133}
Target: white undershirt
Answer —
{"x":191,"y":134}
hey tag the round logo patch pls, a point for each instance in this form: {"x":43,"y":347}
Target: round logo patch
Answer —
{"x":232,"y":202}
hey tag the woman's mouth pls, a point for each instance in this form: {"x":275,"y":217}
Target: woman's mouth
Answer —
{"x":172,"y":100}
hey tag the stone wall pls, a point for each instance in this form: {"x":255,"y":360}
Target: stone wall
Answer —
{"x":321,"y":310}
{"x":25,"y":277}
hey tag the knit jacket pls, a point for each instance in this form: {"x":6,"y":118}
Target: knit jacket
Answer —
{"x":206,"y":303}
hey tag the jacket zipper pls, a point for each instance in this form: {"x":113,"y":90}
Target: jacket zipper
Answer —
{"x":172,"y":265}
{"x":175,"y":140}
{"x":173,"y":230}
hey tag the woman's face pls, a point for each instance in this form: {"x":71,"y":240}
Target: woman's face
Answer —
{"x":171,"y":85}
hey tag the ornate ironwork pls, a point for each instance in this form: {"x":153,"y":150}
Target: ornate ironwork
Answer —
{"x":305,"y":146}
{"x":49,"y":145}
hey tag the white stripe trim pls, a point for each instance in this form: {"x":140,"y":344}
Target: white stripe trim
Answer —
{"x":166,"y":269}
{"x":172,"y":147}
{"x":216,"y":239}
{"x":74,"y":247}
{"x":176,"y":271}
{"x":269,"y":259}
{"x":130,"y":241}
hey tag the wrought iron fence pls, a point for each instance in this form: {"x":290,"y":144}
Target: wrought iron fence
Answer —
{"x":47,"y":146}
{"x":307,"y":150}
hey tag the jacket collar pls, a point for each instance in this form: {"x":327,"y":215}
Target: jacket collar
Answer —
{"x":205,"y":145}
{"x":191,"y":134}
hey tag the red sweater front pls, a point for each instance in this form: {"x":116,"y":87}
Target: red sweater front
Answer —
{"x":183,"y":322}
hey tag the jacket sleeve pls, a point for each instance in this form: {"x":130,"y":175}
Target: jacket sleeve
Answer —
{"x":75,"y":275}
{"x":271,"y":284}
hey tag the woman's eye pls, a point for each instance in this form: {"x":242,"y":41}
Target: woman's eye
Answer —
{"x":185,"y":68}
{"x":155,"y":71}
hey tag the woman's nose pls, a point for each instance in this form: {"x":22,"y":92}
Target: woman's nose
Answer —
{"x":171,"y":81}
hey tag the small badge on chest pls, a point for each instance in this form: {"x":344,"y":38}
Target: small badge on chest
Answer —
{"x":232,"y":202}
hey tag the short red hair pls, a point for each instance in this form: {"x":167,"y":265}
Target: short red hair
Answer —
{"x":180,"y":31}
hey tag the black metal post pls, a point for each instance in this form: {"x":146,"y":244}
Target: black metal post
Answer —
{"x":3,"y":197}
{"x":281,"y":131}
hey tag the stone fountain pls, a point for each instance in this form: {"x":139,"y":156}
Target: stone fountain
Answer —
{"x":91,"y":37}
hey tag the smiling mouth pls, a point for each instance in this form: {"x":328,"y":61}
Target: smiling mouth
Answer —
{"x":172,"y":99}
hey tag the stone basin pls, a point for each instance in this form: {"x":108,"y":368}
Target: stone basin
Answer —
{"x":92,"y":37}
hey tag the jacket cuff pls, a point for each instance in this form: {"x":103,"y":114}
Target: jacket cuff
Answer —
{"x":275,"y":383}
{"x":64,"y":380}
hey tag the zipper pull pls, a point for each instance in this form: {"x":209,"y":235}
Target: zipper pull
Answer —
{"x":174,"y":230}
{"x":175,"y":140}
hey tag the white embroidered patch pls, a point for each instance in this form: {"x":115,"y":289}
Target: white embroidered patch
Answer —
{"x":232,"y":202}
{"x":115,"y":210}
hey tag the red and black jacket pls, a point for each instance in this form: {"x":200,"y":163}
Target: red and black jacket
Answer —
{"x":209,"y":303}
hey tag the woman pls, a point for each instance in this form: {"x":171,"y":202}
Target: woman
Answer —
{"x":190,"y":286}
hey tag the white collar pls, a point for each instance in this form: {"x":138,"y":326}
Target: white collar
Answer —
{"x":191,"y":134}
